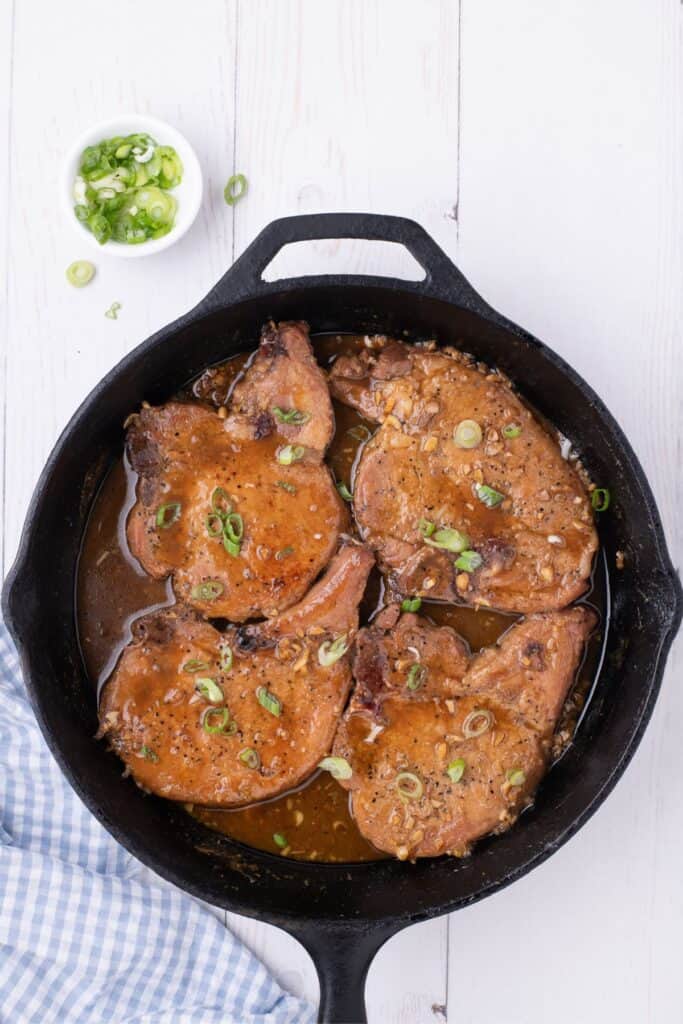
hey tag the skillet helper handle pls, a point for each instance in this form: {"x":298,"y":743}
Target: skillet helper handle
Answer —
{"x":342,"y":957}
{"x":442,"y":278}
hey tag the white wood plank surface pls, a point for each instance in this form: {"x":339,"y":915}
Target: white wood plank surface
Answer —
{"x":540,"y":144}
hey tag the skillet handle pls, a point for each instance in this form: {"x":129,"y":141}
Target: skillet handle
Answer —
{"x":342,"y":956}
{"x":442,"y":278}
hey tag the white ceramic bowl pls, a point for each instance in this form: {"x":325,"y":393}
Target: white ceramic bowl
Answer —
{"x":188,"y":193}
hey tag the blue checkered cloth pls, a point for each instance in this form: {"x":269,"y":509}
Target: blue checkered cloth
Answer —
{"x":85,"y":936}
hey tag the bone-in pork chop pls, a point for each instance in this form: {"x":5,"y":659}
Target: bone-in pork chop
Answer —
{"x":462,"y":492}
{"x":225,"y":719}
{"x":240,"y":509}
{"x":444,"y":749}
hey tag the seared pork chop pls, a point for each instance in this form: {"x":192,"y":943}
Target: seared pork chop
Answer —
{"x":444,"y":749}
{"x":225,"y":719}
{"x":241,"y":510}
{"x":461,"y":491}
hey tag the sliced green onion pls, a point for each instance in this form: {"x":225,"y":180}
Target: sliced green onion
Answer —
{"x":290,"y":453}
{"x":279,"y":840}
{"x":467,"y":434}
{"x":220,"y":502}
{"x":236,"y":188}
{"x":269,"y":701}
{"x":214,"y":524}
{"x":113,"y":312}
{"x":221,"y":717}
{"x":416,"y":677}
{"x":209,"y":689}
{"x":488,"y":496}
{"x":456,"y":769}
{"x":167,"y":515}
{"x":512,"y":430}
{"x":468,"y":561}
{"x":516,"y":777}
{"x":477,"y":723}
{"x":411,"y":604}
{"x":290,"y":488}
{"x":250,"y":757}
{"x":234,"y":526}
{"x":233,"y":547}
{"x":447,"y":539}
{"x":207,"y":591}
{"x":80,"y":273}
{"x":426,"y":528}
{"x":338,"y":767}
{"x":344,"y":491}
{"x":226,"y":657}
{"x":284,"y":552}
{"x":600,"y":499}
{"x":148,"y":754}
{"x":294,"y":416}
{"x":359,"y":433}
{"x":194,"y":665}
{"x":409,"y":786}
{"x":332,"y":650}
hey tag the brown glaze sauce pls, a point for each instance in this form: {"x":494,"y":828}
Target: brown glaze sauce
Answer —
{"x":312,"y":822}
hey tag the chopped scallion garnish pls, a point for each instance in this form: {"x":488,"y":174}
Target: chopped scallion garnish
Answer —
{"x":426,"y":528}
{"x":411,"y":604}
{"x":148,"y":754}
{"x":290,"y":488}
{"x":207,"y":591}
{"x":214,"y":524}
{"x":416,"y":677}
{"x":600,"y":499}
{"x":344,"y":491}
{"x":113,"y":312}
{"x":516,"y":777}
{"x":338,"y":767}
{"x":467,"y":434}
{"x":332,"y":650}
{"x":269,"y":701}
{"x":195,"y":665}
{"x":477,"y":723}
{"x":294,"y":416}
{"x":226,"y":657}
{"x":250,"y":757}
{"x":409,"y":786}
{"x":290,"y":453}
{"x":284,"y":552}
{"x":359,"y":433}
{"x":456,"y":769}
{"x":215,"y":720}
{"x":468,"y":561}
{"x":512,"y":430}
{"x":488,"y":495}
{"x":236,"y":188}
{"x":167,"y":515}
{"x":220,"y":502}
{"x":80,"y":273}
{"x":447,"y":539}
{"x":209,"y":689}
{"x":279,"y":840}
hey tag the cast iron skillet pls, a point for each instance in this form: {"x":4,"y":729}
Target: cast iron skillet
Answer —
{"x":341,"y":914}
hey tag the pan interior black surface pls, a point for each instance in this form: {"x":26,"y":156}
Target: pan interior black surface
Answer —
{"x":326,"y":904}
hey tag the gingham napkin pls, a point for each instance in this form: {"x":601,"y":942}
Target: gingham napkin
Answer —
{"x":85,"y":937}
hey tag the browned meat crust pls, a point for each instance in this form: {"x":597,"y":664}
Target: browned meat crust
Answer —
{"x":153,"y":710}
{"x":397,"y":738}
{"x":536,"y":545}
{"x":291,"y":514}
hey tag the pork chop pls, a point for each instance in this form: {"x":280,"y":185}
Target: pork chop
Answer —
{"x":227,"y":719}
{"x":461,"y":492}
{"x":444,"y":749}
{"x":241,"y":510}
